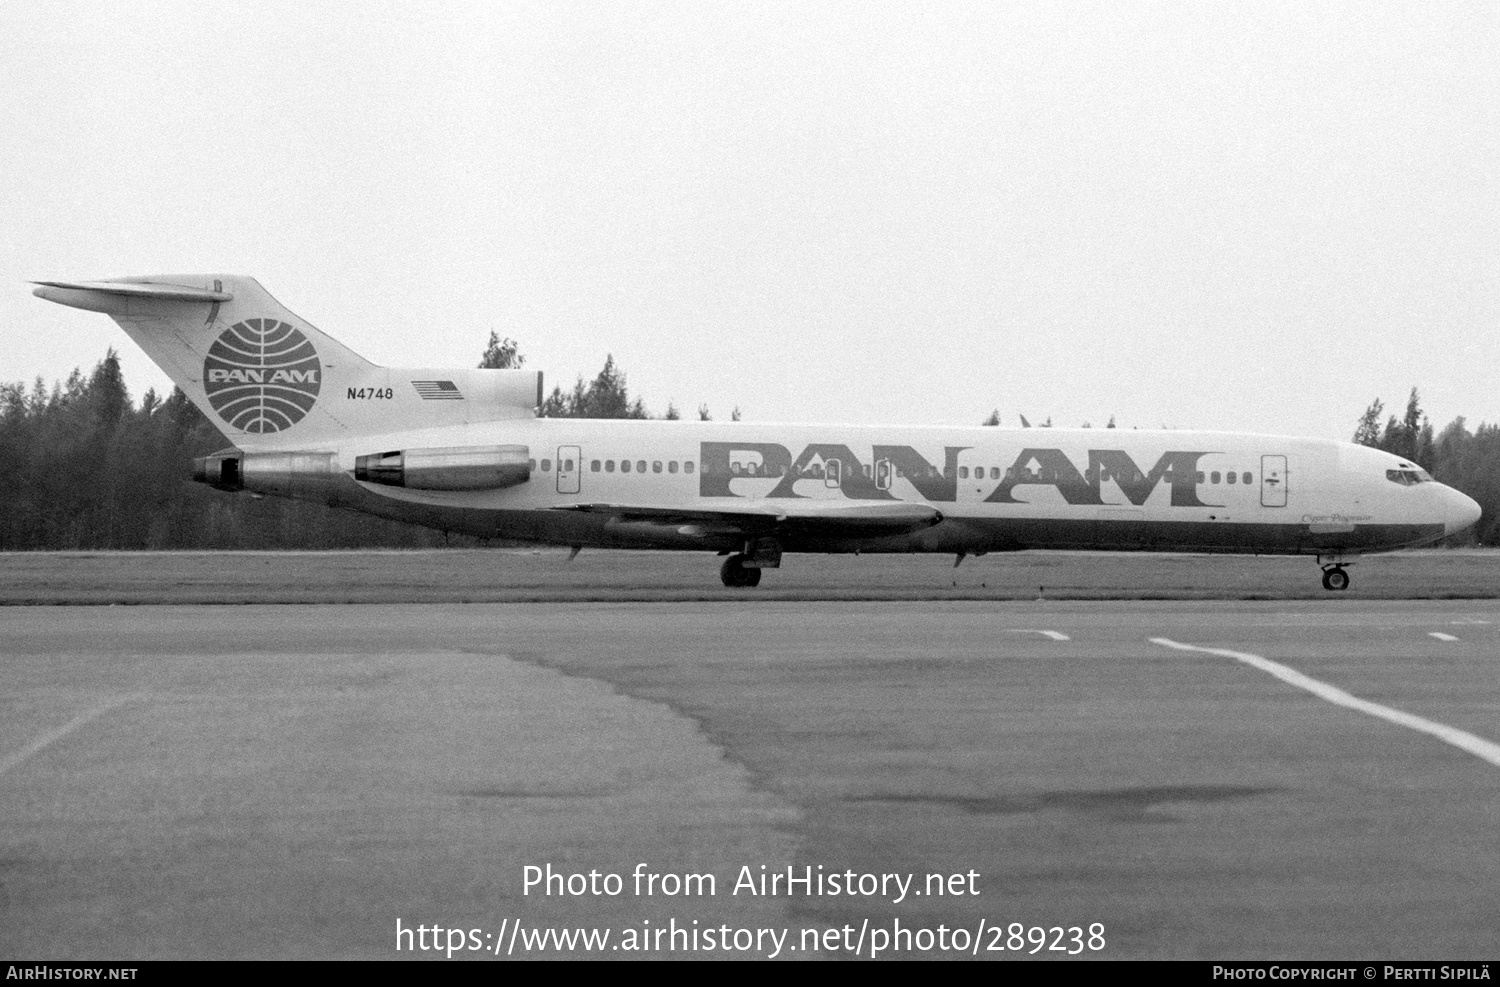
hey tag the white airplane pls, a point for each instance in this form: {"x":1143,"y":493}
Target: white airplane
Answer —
{"x":463,"y":450}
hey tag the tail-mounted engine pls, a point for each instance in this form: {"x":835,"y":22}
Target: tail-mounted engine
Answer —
{"x":316,"y":474}
{"x":458,"y":468}
{"x":305,"y":475}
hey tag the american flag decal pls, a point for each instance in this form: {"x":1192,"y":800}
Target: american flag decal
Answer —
{"x":437,"y":390}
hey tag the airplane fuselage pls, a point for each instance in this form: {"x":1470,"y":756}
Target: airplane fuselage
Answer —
{"x":462,"y":450}
{"x":996,"y":489}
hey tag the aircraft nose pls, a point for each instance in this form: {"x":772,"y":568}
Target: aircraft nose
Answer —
{"x":1460,"y":511}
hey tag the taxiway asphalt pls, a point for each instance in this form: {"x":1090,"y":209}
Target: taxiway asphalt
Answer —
{"x":292,"y":781}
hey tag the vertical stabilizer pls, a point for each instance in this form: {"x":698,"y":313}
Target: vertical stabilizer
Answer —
{"x":269,"y":379}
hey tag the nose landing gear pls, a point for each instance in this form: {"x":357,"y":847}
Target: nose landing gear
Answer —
{"x":1335,"y":578}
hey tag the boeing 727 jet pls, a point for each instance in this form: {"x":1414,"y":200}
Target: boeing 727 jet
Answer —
{"x":463,"y":450}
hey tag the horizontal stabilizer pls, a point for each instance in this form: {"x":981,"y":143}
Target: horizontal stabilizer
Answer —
{"x":67,"y":293}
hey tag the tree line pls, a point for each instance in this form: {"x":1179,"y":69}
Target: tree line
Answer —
{"x":1465,"y":460}
{"x":85,"y":467}
{"x":606,"y":396}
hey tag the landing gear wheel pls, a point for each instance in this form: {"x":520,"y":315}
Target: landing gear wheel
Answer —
{"x":1335,"y":578}
{"x":734,"y":573}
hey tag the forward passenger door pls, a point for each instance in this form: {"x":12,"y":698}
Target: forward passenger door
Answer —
{"x":569,"y":469}
{"x":1273,"y":481}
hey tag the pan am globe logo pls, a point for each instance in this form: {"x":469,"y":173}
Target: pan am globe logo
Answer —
{"x":262,"y":375}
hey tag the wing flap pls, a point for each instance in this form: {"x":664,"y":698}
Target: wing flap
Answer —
{"x":771,"y":517}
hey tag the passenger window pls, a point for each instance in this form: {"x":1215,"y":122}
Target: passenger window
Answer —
{"x":1247,"y":479}
{"x":640,"y":466}
{"x":546,"y":466}
{"x":687,"y":467}
{"x":656,"y":466}
{"x":531,"y":464}
{"x":1232,"y":478}
{"x":1200,"y":476}
{"x":1214,"y":476}
{"x":594,"y":466}
{"x":963,"y":472}
{"x":609,"y":466}
{"x":624,"y":466}
{"x":672,"y":466}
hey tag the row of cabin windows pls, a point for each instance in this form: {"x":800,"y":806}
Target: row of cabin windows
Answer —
{"x":608,"y":466}
{"x":1121,"y":476}
{"x":978,"y":472}
{"x":818,"y":472}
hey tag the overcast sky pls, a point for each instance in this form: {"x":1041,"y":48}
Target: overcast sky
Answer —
{"x":1247,"y":216}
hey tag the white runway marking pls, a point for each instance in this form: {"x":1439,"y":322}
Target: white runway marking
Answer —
{"x":1461,"y":739}
{"x":1441,"y":636}
{"x":53,"y":736}
{"x":1054,"y":635}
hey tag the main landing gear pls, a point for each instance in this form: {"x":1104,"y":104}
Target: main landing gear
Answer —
{"x":735,"y":573}
{"x":743,"y":569}
{"x":1335,"y":578}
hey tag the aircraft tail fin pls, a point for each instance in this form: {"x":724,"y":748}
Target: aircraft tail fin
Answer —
{"x":270,"y":379}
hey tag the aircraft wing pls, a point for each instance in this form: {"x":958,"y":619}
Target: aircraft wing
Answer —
{"x":762,"y":517}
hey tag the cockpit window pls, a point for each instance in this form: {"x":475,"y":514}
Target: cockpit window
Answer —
{"x":1408,"y":477}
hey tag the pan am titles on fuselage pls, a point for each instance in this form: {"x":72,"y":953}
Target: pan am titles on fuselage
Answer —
{"x":462,"y":450}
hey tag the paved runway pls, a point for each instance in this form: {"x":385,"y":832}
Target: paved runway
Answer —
{"x":285,"y":781}
{"x":549,"y":576}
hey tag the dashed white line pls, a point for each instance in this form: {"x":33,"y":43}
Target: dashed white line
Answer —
{"x":1054,"y":635}
{"x":1441,"y":636}
{"x":1462,"y":739}
{"x":53,"y":736}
